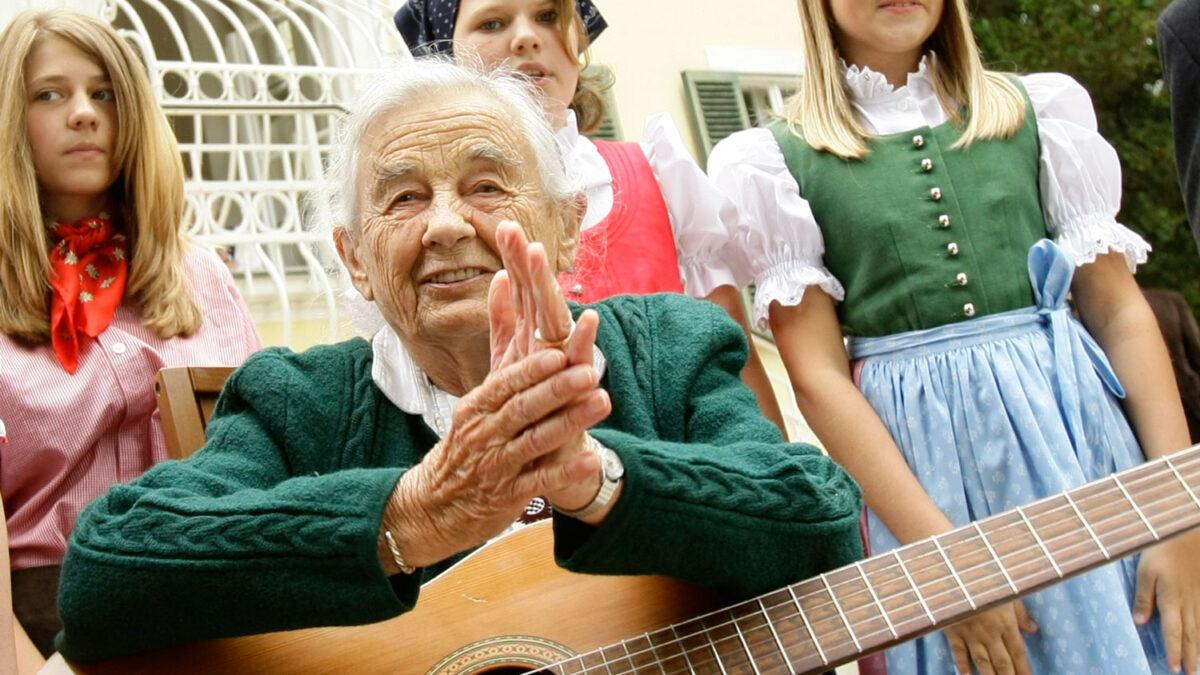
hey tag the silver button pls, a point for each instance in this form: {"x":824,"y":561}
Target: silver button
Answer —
{"x":936,"y":193}
{"x":918,"y":141}
{"x":952,"y":248}
{"x":118,"y":348}
{"x":927,"y":164}
{"x":961,"y":279}
{"x":577,"y":289}
{"x":969,"y":309}
{"x":943,"y":221}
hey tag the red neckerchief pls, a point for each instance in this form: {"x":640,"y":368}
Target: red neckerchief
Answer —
{"x":90,"y":265}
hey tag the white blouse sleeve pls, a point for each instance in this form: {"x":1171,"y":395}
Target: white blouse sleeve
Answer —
{"x":701,"y":216}
{"x":1080,"y":174}
{"x":777,"y":242}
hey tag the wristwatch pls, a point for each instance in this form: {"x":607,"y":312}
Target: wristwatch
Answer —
{"x":612,"y":471}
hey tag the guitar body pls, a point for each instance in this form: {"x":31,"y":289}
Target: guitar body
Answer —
{"x":507,"y":607}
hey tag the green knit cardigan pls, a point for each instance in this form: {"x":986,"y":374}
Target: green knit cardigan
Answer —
{"x":274,"y":524}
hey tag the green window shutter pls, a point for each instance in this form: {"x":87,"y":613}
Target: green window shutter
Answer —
{"x":718,"y":108}
{"x":610,"y":127}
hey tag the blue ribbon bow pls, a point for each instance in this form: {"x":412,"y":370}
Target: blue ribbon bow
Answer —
{"x":1051,"y":271}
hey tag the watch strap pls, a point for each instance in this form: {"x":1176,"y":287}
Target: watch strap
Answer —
{"x":608,"y":484}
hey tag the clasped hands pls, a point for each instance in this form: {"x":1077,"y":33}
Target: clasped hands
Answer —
{"x":518,"y":435}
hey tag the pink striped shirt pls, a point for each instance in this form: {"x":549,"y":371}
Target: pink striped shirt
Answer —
{"x":71,"y":437}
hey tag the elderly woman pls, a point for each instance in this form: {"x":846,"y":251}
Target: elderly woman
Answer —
{"x":654,"y":222}
{"x":336,"y":481}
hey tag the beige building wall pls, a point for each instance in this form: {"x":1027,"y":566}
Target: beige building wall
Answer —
{"x":649,"y":42}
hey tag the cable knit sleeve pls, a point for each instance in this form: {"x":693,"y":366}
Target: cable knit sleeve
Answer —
{"x":701,"y":216}
{"x":1080,"y":174}
{"x":260,"y":531}
{"x":712,"y":495}
{"x":777,"y":243}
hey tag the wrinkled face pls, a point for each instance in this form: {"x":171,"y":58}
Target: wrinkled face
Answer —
{"x":523,"y":34}
{"x":871,"y":32}
{"x":71,"y":116}
{"x":435,"y":179}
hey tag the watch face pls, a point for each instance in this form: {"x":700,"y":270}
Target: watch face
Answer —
{"x":613,"y":468}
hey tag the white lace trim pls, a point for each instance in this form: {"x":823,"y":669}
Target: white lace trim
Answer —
{"x":1089,"y":236}
{"x":786,"y":282}
{"x":865,"y":84}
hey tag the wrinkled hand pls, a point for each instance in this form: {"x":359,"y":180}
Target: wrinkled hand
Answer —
{"x":525,"y":300}
{"x":500,"y":453}
{"x":1168,"y":580}
{"x":992,"y":640}
{"x":518,"y":435}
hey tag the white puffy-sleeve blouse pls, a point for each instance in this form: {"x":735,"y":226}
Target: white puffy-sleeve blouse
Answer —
{"x":778,"y":245}
{"x":701,"y":215}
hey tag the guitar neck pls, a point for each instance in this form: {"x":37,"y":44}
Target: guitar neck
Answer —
{"x":837,"y":617}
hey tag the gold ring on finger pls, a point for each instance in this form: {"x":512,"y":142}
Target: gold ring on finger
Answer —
{"x":559,"y":344}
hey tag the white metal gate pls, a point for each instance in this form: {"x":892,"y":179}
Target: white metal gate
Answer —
{"x":253,"y":89}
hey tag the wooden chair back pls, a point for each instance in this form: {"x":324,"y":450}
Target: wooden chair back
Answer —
{"x":187,"y":396}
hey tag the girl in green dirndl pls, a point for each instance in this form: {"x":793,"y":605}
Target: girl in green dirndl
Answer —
{"x":936,"y":214}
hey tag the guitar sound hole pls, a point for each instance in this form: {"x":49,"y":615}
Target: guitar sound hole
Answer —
{"x":505,"y":655}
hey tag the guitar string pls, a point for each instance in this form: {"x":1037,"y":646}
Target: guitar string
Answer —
{"x":1065,"y":555}
{"x":835,"y":647}
{"x":974,"y":548}
{"x":945,"y":588}
{"x":711,"y":644}
{"x":1023,"y":533}
{"x":973,"y":544}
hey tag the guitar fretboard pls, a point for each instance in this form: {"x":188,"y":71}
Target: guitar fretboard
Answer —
{"x":839,"y":616}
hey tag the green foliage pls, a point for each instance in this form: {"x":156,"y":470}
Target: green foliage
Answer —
{"x":1110,"y":47}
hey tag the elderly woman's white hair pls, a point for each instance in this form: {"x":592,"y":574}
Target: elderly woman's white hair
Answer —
{"x":404,"y":81}
{"x":394,"y":87}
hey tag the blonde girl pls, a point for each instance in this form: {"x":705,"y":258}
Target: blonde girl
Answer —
{"x":936,"y":214}
{"x":101,"y":288}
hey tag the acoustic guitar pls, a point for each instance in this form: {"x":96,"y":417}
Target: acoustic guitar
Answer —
{"x":508,"y":608}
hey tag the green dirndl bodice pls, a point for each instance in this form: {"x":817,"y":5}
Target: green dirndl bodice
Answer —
{"x":919,"y":233}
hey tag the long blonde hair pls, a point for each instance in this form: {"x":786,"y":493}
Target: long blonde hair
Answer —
{"x":148,"y":190}
{"x":821,"y":108}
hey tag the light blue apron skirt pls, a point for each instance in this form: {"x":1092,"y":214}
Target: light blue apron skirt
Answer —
{"x":996,"y":412}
